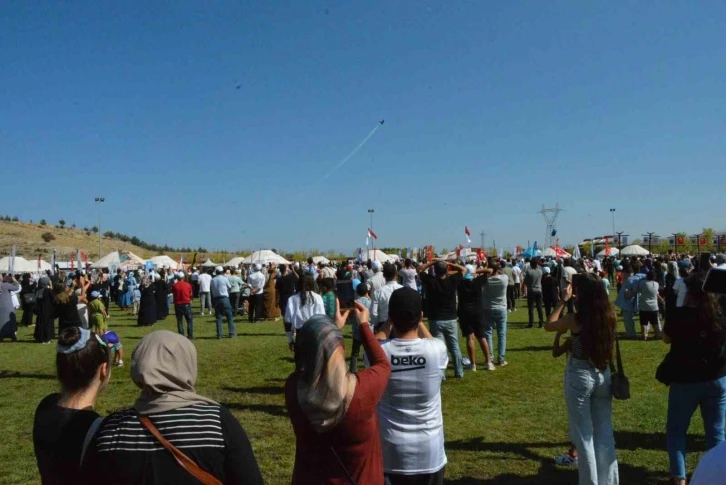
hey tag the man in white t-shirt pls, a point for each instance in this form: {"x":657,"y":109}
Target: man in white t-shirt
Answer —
{"x":409,"y":413}
{"x":256,"y":280}
{"x":205,"y":287}
{"x":679,"y":287}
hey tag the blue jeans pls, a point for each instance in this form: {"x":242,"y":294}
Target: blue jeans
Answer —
{"x":590,"y":413}
{"x":497,"y":319}
{"x":223,"y":307}
{"x":184,"y":312}
{"x":629,"y":322}
{"x":448,"y":331}
{"x":683,"y":399}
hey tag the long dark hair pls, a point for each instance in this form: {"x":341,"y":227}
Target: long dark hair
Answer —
{"x":597,"y":319}
{"x":306,"y":288}
{"x":77,"y":370}
{"x":705,"y":305}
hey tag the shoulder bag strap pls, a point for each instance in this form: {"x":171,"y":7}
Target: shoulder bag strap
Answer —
{"x":187,"y":463}
{"x":619,"y":357}
{"x":340,"y":462}
{"x":89,"y":436}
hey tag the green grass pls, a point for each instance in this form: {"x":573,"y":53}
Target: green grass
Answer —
{"x":501,"y":427}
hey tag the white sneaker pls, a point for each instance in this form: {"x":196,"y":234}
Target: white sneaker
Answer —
{"x":503,"y":363}
{"x":120,"y":363}
{"x":490,"y":366}
{"x":471,"y":367}
{"x":465,"y":361}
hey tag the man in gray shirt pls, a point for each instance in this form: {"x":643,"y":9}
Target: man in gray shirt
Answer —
{"x":407,"y":276}
{"x":533,"y":281}
{"x":220,"y":301}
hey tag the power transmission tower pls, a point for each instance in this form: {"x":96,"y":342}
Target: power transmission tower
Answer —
{"x":550,"y":216}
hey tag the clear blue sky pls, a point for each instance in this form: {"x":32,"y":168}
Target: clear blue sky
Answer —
{"x":214,"y":123}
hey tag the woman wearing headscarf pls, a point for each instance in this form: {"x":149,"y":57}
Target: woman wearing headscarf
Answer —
{"x":62,"y":420}
{"x":126,"y":296}
{"x":333,"y":411}
{"x":128,"y":449}
{"x":161,"y":290}
{"x":147,"y":305}
{"x":44,"y":323}
{"x":8,"y":320}
{"x":27,"y":299}
{"x":270,"y":295}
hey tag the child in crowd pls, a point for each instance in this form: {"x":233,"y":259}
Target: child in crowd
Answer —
{"x":605,"y":281}
{"x":328,"y":285}
{"x":136,"y":299}
{"x":569,"y":458}
{"x":114,"y":344}
{"x":364,"y":299}
{"x":97,"y":313}
{"x":619,"y":277}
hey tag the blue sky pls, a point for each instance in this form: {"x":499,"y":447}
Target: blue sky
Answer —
{"x":214,"y":123}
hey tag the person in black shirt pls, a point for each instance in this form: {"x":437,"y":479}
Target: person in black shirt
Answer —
{"x":164,"y":366}
{"x":471,"y":317}
{"x":441,"y":299}
{"x":63,"y":420}
{"x":66,"y":306}
{"x":550,"y":289}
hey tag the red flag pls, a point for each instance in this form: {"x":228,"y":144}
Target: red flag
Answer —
{"x":372,"y":234}
{"x":607,"y":247}
{"x":429,"y":253}
{"x":84,"y":257}
{"x":466,"y":231}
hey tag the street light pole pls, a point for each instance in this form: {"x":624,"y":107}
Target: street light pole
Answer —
{"x":650,"y":241}
{"x":98,"y":202}
{"x":612,"y":212}
{"x":483,"y":235}
{"x":620,"y":240}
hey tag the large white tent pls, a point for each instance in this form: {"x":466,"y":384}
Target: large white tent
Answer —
{"x":163,"y":261}
{"x":376,"y":255}
{"x":209,"y":264}
{"x":234,"y":262}
{"x":22,"y":265}
{"x":265,"y":256}
{"x":613,"y":252}
{"x":320,"y":259}
{"x":120,"y":259}
{"x":634,"y":250}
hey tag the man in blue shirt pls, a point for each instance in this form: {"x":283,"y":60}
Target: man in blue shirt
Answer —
{"x":627,"y":301}
{"x":220,"y":301}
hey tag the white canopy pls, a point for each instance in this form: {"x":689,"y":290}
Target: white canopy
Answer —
{"x":235,"y":261}
{"x":320,"y":259}
{"x":613,"y":252}
{"x":164,"y":262}
{"x":22,"y":265}
{"x":634,"y":250}
{"x":376,"y":255}
{"x":265,"y":256}
{"x":119,"y":259}
{"x":209,"y":264}
{"x":549,"y":252}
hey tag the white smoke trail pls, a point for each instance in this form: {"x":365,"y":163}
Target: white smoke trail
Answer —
{"x":360,"y":145}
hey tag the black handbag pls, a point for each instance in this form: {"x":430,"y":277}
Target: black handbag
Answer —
{"x":619,"y":382}
{"x":664,"y":372}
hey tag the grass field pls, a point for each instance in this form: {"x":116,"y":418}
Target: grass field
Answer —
{"x":501,"y":427}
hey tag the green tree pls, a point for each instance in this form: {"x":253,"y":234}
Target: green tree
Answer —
{"x":710,"y":234}
{"x":15,"y":219}
{"x":62,"y":223}
{"x":586,"y":248}
{"x":662,"y":247}
{"x":42,"y":222}
{"x":47,"y":237}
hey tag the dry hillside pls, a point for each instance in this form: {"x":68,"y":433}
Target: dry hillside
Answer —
{"x":29,"y":241}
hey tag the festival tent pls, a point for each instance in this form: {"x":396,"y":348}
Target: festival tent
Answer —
{"x":209,"y":264}
{"x":265,"y":256}
{"x":634,"y":250}
{"x":234,"y":262}
{"x":613,"y":252}
{"x":320,"y":259}
{"x":120,"y":259}
{"x":530,"y":253}
{"x":22,"y":265}
{"x":376,"y":255}
{"x":163,"y":262}
{"x":549,"y":253}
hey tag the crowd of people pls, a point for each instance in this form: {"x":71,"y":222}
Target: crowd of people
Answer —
{"x":383,"y":423}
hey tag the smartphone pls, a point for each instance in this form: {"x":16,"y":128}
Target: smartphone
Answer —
{"x":575,"y":282}
{"x":715,"y":281}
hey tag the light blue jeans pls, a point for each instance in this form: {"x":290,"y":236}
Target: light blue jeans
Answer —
{"x":590,"y":412}
{"x":629,"y":322}
{"x":496,"y":319}
{"x":683,"y":399}
{"x":448,"y":331}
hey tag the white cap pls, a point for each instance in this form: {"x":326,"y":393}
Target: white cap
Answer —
{"x":258,"y":266}
{"x":219,"y":269}
{"x":376,"y":265}
{"x":180,"y":275}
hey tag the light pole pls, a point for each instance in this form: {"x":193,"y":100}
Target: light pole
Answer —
{"x":620,"y":240}
{"x":650,"y":241}
{"x":612,"y":212}
{"x":483,"y":235}
{"x":98,"y":202}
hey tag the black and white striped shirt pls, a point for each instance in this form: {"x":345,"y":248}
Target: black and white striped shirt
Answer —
{"x":123,"y":451}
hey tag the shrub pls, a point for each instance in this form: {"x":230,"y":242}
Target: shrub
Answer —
{"x":47,"y":237}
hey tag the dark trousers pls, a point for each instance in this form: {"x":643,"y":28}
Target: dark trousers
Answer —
{"x":548,"y":306}
{"x":256,"y":304}
{"x":570,"y":306}
{"x":234,"y":301}
{"x":222,"y":307}
{"x":28,"y":312}
{"x":184,"y":312}
{"x":534,"y":298}
{"x":436,"y":478}
{"x":516,"y":291}
{"x":511,"y":299}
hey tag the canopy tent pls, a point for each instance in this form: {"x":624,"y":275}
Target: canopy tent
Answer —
{"x":375,"y":255}
{"x":22,"y":265}
{"x":320,"y":259}
{"x":163,"y":262}
{"x":613,"y":252}
{"x":530,"y":253}
{"x":120,"y":259}
{"x":265,"y":256}
{"x":576,"y":253}
{"x":234,"y":262}
{"x":209,"y":264}
{"x":549,"y":253}
{"x":44,"y":266}
{"x":634,"y":250}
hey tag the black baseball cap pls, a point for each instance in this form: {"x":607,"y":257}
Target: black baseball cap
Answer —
{"x":405,"y":300}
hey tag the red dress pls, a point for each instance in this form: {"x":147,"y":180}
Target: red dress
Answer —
{"x":355,"y":440}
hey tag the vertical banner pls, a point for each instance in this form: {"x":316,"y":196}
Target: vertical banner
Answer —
{"x":39,"y":263}
{"x":78,"y":259}
{"x":52,"y":263}
{"x":429,"y":253}
{"x":11,"y":262}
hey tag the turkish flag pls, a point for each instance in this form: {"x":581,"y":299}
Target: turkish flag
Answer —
{"x":702,"y":241}
{"x":681,"y":240}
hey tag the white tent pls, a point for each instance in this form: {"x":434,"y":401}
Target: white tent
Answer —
{"x":320,"y":259}
{"x":209,"y":264}
{"x":376,"y":255}
{"x":22,"y":265}
{"x":234,"y":262}
{"x":549,"y":252}
{"x":163,"y":262}
{"x":634,"y":250}
{"x":613,"y":252}
{"x":265,"y":256}
{"x":120,"y":259}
